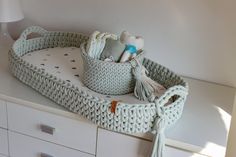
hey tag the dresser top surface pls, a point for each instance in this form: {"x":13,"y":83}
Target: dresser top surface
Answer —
{"x":205,"y":120}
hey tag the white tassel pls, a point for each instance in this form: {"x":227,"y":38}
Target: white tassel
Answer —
{"x":146,"y":88}
{"x":159,"y":133}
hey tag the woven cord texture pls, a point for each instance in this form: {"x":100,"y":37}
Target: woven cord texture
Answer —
{"x":128,"y":118}
{"x":108,"y":77}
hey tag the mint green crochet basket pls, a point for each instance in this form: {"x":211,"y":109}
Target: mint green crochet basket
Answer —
{"x":155,"y":116}
{"x":108,"y":77}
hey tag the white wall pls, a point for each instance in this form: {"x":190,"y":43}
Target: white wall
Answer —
{"x":195,"y":38}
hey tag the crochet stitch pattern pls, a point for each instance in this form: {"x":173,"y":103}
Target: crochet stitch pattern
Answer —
{"x":108,"y":77}
{"x":127,"y":118}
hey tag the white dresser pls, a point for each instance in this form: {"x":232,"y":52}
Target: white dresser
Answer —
{"x":3,"y":129}
{"x":4,"y":142}
{"x":33,"y":126}
{"x":51,"y":128}
{"x":3,"y":114}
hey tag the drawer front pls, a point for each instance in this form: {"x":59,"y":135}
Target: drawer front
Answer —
{"x":173,"y":152}
{"x":126,"y":146}
{"x":3,"y":114}
{"x":3,"y":142}
{"x":37,"y":148}
{"x":49,"y":127}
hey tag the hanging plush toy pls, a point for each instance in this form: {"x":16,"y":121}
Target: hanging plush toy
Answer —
{"x":133,"y":44}
{"x":145,"y":88}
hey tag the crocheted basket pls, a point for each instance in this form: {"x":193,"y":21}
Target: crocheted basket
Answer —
{"x":155,"y":116}
{"x":108,"y":77}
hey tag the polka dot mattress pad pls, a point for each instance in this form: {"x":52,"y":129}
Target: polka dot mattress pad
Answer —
{"x":66,"y":63}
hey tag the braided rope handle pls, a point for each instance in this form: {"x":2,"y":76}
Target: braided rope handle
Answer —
{"x":32,"y":29}
{"x":160,"y":121}
{"x":170,"y":92}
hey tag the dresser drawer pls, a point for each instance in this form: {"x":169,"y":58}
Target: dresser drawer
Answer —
{"x":3,"y":114}
{"x":3,"y":142}
{"x":25,"y":146}
{"x":53,"y":128}
{"x":120,"y":145}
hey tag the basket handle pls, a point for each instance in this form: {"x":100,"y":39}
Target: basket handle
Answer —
{"x":32,"y":29}
{"x":175,"y":90}
{"x":160,"y":122}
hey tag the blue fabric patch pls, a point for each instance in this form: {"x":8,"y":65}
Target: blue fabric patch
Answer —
{"x":132,"y":49}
